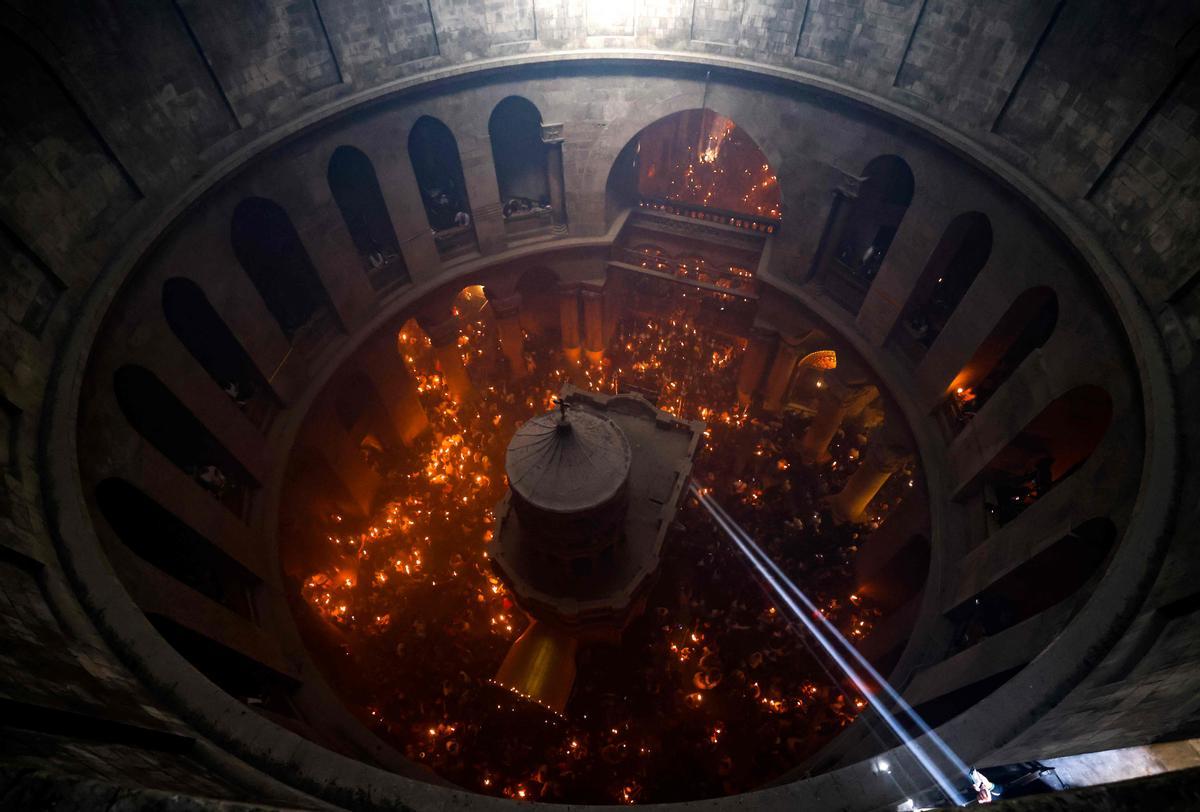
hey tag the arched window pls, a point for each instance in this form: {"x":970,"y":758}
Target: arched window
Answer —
{"x":1050,"y":448}
{"x":1048,"y":578}
{"x":355,"y":188}
{"x":958,"y":258}
{"x":476,"y":322}
{"x":515,"y":129}
{"x":439,"y":173}
{"x":206,"y":336}
{"x":159,"y":537}
{"x":156,"y":414}
{"x":269,"y":249}
{"x":236,"y":674}
{"x":860,"y":231}
{"x":1053,"y":577}
{"x":700,"y":164}
{"x":1026,"y":326}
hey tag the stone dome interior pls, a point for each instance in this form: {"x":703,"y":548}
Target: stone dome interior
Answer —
{"x":282,"y":280}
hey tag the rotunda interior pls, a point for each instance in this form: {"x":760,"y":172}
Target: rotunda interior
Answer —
{"x":748,"y":403}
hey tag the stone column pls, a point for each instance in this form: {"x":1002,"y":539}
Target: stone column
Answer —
{"x":593,"y":325}
{"x":507,"y":312}
{"x":787,"y":353}
{"x":325,"y":435}
{"x":882,"y":459}
{"x":445,"y":346}
{"x":569,"y":313}
{"x":837,"y":401}
{"x":552,"y":138}
{"x":382,"y":363}
{"x":754,"y":363}
{"x":845,"y":195}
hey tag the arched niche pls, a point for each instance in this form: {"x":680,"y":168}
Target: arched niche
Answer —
{"x":861,"y":229}
{"x":437,"y":166}
{"x":472,"y":310}
{"x":208,"y":338}
{"x":161,"y":539}
{"x":515,"y":131}
{"x":355,"y":189}
{"x":1046,"y":451}
{"x":266,"y":244}
{"x":957,"y":259}
{"x":1026,"y":326}
{"x":697,"y":163}
{"x":166,"y":423}
{"x":1051,"y":576}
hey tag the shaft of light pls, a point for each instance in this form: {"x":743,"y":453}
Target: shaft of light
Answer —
{"x":837,"y":635}
{"x":785,"y":593}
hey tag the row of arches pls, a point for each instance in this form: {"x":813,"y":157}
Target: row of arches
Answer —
{"x":862,"y":224}
{"x":520,"y":154}
{"x":267,"y":246}
{"x":167,"y":424}
{"x":861,"y":228}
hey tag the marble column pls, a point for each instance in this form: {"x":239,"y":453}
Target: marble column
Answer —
{"x":754,"y":363}
{"x":836,"y":403}
{"x":552,"y":138}
{"x":449,"y":358}
{"x":569,"y":314}
{"x":882,"y":459}
{"x":593,"y":325}
{"x":775,"y":390}
{"x":507,"y":312}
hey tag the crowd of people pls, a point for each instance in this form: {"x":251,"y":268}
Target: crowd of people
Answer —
{"x":710,"y":692}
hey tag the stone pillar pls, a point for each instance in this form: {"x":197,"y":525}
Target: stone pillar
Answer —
{"x":845,"y":195}
{"x":754,"y":363}
{"x":512,"y":338}
{"x":552,"y":138}
{"x":837,"y":401}
{"x":324,"y":433}
{"x":881,"y":461}
{"x":445,"y":346}
{"x":787,"y":353}
{"x":593,"y":325}
{"x":382,"y":363}
{"x":569,"y":314}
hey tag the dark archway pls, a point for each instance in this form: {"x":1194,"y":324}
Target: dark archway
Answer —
{"x":270,"y":251}
{"x":1050,"y":577}
{"x":883,"y":199}
{"x":159,"y":537}
{"x":167,"y":424}
{"x":1026,"y":326}
{"x":204,"y":333}
{"x":515,"y":130}
{"x":701,"y":164}
{"x":355,"y":189}
{"x":1049,"y":449}
{"x":952,"y":267}
{"x":861,"y":228}
{"x":433,"y":151}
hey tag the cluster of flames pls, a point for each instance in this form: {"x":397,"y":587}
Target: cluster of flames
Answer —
{"x":709,"y":162}
{"x":418,"y":573}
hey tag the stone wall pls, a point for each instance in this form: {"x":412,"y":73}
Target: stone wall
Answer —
{"x":113,"y":113}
